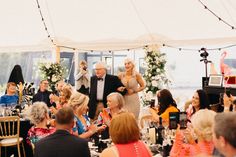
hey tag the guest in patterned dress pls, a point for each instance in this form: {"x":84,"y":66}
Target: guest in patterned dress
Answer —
{"x":83,"y":128}
{"x":125,"y":135}
{"x":38,"y":115}
{"x":115,"y":103}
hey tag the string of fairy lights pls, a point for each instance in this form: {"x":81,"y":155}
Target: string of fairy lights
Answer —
{"x":138,"y":47}
{"x":218,"y":17}
{"x":44,"y":24}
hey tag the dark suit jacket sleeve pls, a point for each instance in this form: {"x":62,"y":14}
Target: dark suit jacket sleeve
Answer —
{"x":34,"y":98}
{"x":119,"y":84}
{"x":36,"y":151}
{"x":86,"y":151}
{"x":92,"y":97}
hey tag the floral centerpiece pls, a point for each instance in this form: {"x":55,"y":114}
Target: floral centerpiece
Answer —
{"x":154,"y":76}
{"x":52,"y":72}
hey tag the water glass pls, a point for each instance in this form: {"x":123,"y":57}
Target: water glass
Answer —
{"x":2,"y":111}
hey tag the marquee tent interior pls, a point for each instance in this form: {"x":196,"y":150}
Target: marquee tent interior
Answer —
{"x":113,"y":25}
{"x":109,"y":25}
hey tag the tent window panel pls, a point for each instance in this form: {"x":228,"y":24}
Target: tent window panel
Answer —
{"x":29,"y":62}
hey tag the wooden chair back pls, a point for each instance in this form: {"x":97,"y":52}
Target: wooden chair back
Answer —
{"x":10,"y":127}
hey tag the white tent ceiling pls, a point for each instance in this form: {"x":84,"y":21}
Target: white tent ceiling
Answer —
{"x":114,"y":24}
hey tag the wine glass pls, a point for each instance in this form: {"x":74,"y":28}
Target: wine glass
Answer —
{"x":2,"y":111}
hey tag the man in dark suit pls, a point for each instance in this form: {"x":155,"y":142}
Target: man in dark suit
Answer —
{"x":62,"y":143}
{"x":101,"y":86}
{"x":43,"y":94}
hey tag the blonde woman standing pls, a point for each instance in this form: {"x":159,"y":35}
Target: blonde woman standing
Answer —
{"x":134,"y":83}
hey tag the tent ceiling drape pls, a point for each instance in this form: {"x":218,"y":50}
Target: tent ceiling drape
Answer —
{"x":114,"y":24}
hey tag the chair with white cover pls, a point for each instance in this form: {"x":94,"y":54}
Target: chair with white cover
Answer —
{"x":10,"y":132}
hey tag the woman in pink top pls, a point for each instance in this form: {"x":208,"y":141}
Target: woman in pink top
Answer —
{"x":199,"y":101}
{"x":202,"y":123}
{"x":125,"y":135}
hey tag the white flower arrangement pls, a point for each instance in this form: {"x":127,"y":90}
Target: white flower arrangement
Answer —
{"x":52,"y":72}
{"x":155,"y":73}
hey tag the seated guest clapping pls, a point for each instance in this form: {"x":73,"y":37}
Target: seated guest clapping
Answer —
{"x":43,"y":94}
{"x":125,"y":135}
{"x":166,"y":104}
{"x":64,"y":96}
{"x":115,"y":103}
{"x":38,"y":115}
{"x":185,"y":141}
{"x":83,"y":127}
{"x":199,"y":101}
{"x":229,"y":103}
{"x":10,"y":97}
{"x":59,"y":87}
{"x":62,"y":143}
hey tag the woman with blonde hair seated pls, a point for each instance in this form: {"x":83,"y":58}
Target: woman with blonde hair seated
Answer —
{"x":202,"y":124}
{"x":38,"y":115}
{"x":125,"y":135}
{"x":64,"y":97}
{"x":83,"y":128}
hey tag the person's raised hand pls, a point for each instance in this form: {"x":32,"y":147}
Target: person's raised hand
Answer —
{"x":227,"y":101}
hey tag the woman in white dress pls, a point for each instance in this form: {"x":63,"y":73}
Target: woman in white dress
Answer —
{"x":134,"y":83}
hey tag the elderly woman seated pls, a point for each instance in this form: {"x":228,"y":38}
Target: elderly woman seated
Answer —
{"x":83,"y":128}
{"x":201,"y":130}
{"x":115,"y":103}
{"x":38,"y":115}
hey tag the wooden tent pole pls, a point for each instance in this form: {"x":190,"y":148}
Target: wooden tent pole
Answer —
{"x":57,"y":51}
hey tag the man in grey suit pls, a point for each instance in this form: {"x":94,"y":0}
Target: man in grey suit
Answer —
{"x":62,"y":143}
